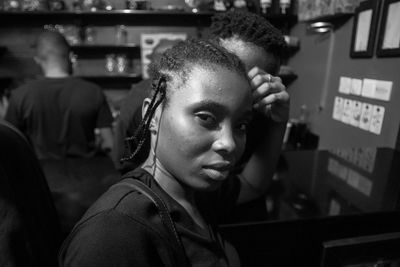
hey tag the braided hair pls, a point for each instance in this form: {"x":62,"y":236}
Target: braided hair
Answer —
{"x":251,"y":28}
{"x":175,"y":66}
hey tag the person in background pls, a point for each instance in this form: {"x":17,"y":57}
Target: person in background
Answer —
{"x":261,"y":48}
{"x":3,"y":106}
{"x":197,"y":117}
{"x":130,"y":115}
{"x":59,"y":113}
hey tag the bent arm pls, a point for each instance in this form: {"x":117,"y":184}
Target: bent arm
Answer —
{"x":259,"y":170}
{"x":271,"y":105}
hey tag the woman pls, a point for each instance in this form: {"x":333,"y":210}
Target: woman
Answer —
{"x":261,"y":47}
{"x":197,"y":119}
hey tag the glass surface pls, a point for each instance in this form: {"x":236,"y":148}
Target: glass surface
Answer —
{"x":325,"y":183}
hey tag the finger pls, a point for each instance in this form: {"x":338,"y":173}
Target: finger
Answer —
{"x":259,"y":79}
{"x":277,"y":79}
{"x":281,"y":97}
{"x":261,"y":91}
{"x":262,"y":107}
{"x":255,"y":71}
{"x":267,"y":88}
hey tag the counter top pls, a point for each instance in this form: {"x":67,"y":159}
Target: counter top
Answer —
{"x":317,"y":197}
{"x":323,"y":183}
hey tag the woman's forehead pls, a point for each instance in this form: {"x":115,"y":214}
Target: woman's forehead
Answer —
{"x":219,"y":84}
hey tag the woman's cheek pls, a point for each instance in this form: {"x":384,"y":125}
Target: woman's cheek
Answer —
{"x":184,"y":132}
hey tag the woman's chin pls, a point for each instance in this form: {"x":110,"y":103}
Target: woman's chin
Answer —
{"x":209,"y":184}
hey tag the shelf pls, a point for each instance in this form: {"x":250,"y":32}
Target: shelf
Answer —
{"x":113,"y":81}
{"x":125,"y":17}
{"x":105,"y":81}
{"x":92,"y":51}
{"x":332,"y":18}
{"x":336,"y":20}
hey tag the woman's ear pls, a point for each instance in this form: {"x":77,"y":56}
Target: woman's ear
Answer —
{"x":153,"y":127}
{"x":145,"y":106}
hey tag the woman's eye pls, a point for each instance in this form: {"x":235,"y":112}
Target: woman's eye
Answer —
{"x":206,"y":119}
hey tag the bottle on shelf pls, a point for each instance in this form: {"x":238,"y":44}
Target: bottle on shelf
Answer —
{"x":137,"y":5}
{"x":303,"y":117}
{"x":284,"y":7}
{"x":121,"y":35}
{"x":110,"y":63}
{"x":240,"y":5}
{"x":219,"y":5}
{"x":121,"y":64}
{"x":90,"y":35}
{"x":266,"y":7}
{"x":74,"y":63}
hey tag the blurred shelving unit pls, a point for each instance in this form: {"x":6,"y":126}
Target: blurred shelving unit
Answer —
{"x":114,"y":81}
{"x":158,"y":18}
{"x":95,"y":50}
{"x":126,"y":17}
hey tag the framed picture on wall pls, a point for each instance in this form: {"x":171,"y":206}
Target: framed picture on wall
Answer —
{"x":389,"y":32}
{"x":364,"y":29}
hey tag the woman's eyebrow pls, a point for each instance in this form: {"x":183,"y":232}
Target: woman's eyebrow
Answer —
{"x":211,"y":105}
{"x":214,"y":106}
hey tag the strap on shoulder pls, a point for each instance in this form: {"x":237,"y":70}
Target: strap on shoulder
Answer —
{"x":163,"y":212}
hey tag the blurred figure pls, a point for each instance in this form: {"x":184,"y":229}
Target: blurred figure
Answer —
{"x":29,"y":227}
{"x":3,"y":106}
{"x":59,"y":113}
{"x":131,"y":115}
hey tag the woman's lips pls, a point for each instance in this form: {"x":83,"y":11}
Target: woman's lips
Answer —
{"x":216,"y":174}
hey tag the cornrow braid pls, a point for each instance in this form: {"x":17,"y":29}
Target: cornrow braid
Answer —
{"x":173,"y":67}
{"x":251,"y":28}
{"x":136,"y":141}
{"x":180,"y":59}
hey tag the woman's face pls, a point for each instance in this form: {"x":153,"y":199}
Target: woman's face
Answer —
{"x":202,"y":131}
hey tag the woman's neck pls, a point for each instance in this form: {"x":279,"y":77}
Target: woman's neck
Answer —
{"x":179,"y":192}
{"x":167,"y":181}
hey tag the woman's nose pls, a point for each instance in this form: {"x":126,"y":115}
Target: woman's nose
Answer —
{"x":225,"y":141}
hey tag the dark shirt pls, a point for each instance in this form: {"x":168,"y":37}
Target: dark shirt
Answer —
{"x":123,"y":228}
{"x":59,"y":115}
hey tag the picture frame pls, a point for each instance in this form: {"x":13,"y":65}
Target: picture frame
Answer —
{"x":389,"y":32}
{"x":364,"y":29}
{"x":362,"y":251}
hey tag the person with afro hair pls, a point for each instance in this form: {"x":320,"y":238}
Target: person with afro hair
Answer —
{"x":248,"y":31}
{"x":261,"y":47}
